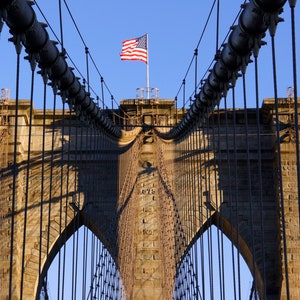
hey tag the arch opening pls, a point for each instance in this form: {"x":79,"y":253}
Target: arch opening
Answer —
{"x":214,"y":268}
{"x":82,"y":268}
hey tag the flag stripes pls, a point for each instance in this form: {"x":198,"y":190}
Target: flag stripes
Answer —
{"x":135,"y":49}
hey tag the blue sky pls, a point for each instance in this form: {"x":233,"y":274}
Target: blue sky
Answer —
{"x":174,"y":29}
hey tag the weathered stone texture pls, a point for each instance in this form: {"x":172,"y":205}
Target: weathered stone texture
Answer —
{"x":149,"y":199}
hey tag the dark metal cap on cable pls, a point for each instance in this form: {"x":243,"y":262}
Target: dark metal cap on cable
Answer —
{"x":246,"y":38}
{"x":27,"y":31}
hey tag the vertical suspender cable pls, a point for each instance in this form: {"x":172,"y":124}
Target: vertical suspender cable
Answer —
{"x":76,"y":201}
{"x":196,"y":69}
{"x":15,"y":172}
{"x":67,"y":182}
{"x":27,"y":177}
{"x":191,"y":208}
{"x":84,"y":247}
{"x":94,"y":286}
{"x":92,"y":254}
{"x":92,"y":142}
{"x":183,"y":96}
{"x":86,"y":231}
{"x":65,"y":212}
{"x":210,"y":164}
{"x":209,"y":194}
{"x":93,"y":157}
{"x":84,"y":239}
{"x":236,"y":189}
{"x":183,"y":180}
{"x":229,"y":172}
{"x":201,"y":242}
{"x":218,"y":26}
{"x":197,"y":202}
{"x":189,"y":186}
{"x":194,"y":209}
{"x":199,"y":205}
{"x":208,"y":209}
{"x":260,"y":185}
{"x":294,"y":56}
{"x":87,"y":68}
{"x":286,"y":271}
{"x":102,"y":92}
{"x":62,"y":163}
{"x":61,"y":25}
{"x":219,"y":201}
{"x":215,"y":191}
{"x":79,"y":236}
{"x":249,"y":183}
{"x":217,"y":163}
{"x":87,"y":148}
{"x":231,"y":204}
{"x":51,"y":180}
{"x":74,"y":259}
{"x":42,"y":176}
{"x":206,"y":194}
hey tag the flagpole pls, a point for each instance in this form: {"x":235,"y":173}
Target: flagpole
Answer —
{"x":147,"y":71}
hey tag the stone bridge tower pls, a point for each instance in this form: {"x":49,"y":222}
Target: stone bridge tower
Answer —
{"x":146,"y":197}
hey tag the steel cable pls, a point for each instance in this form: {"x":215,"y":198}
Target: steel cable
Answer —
{"x":27,"y":179}
{"x":15,"y":172}
{"x":296,"y":124}
{"x":279,"y":171}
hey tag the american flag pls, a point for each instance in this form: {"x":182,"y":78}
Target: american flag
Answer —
{"x":135,"y":49}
